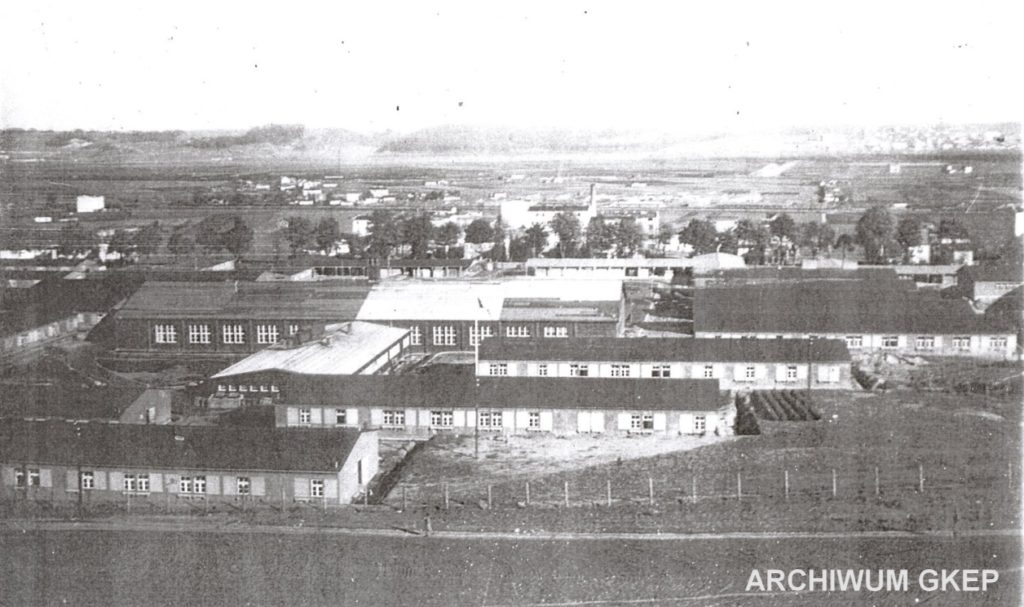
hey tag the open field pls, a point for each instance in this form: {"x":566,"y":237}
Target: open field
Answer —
{"x":280,"y":568}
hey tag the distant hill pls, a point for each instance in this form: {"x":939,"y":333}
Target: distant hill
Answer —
{"x":506,"y":141}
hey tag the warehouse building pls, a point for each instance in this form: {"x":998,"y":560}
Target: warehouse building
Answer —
{"x":59,"y":460}
{"x":737,"y":364}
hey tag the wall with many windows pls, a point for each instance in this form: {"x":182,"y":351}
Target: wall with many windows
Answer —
{"x":206,"y":336}
{"x":1001,"y":346}
{"x":454,"y":420}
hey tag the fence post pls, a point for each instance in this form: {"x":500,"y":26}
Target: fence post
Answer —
{"x":489,"y":497}
{"x":446,"y":496}
{"x":833,"y":482}
{"x":785,"y":477}
{"x":739,"y":486}
{"x":566,"y":487}
{"x":650,"y":490}
{"x":920,"y":478}
{"x":878,"y":485}
{"x":527,"y":493}
{"x":608,"y":491}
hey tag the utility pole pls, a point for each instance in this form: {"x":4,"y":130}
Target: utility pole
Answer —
{"x":476,"y":384}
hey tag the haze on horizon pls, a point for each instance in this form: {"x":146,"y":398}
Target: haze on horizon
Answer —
{"x":731,"y":67}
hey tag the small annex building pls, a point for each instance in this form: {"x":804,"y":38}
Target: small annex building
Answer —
{"x":57,"y":460}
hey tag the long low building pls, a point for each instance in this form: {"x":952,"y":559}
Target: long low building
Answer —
{"x":58,"y":460}
{"x":422,"y":405}
{"x":867,"y":317}
{"x":736,"y":364}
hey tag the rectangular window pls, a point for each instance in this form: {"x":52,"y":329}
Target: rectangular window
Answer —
{"x":636,"y":422}
{"x":19,"y":478}
{"x":620,"y":370}
{"x":87,"y":480}
{"x":129,"y":482}
{"x":709,"y":371}
{"x":441,"y":419}
{"x":305,"y":415}
{"x":199,"y":484}
{"x":890,"y":341}
{"x":33,"y":477}
{"x":185,"y":484}
{"x":142,"y":483}
{"x":558,"y":332}
{"x":244,"y":485}
{"x":490,"y":419}
{"x":648,"y":421}
{"x":415,"y":336}
{"x":517,"y":331}
{"x":445,"y":336}
{"x":997,"y":343}
{"x":699,"y":423}
{"x":578,"y":370}
{"x":266,"y":334}
{"x":854,"y":341}
{"x":791,"y":372}
{"x":542,"y":370}
{"x":233,"y":334}
{"x":316,"y":487}
{"x":485,"y":332}
{"x":533,"y":419}
{"x":199,"y":334}
{"x":750,"y":372}
{"x":394,"y":417}
{"x":293,"y":329}
{"x":661,"y":371}
{"x":962,"y":343}
{"x":166,"y":334}
{"x":339,"y":417}
{"x":497,"y":369}
{"x":924,"y":342}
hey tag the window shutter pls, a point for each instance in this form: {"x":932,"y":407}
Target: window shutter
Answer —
{"x":230,"y":485}
{"x":331,"y":488}
{"x":471,"y":418}
{"x":292,"y":416}
{"x":376,"y":417}
{"x":316,"y":415}
{"x":546,"y":421}
{"x":116,"y":481}
{"x":583,"y":421}
{"x":259,"y":486}
{"x":70,"y":481}
{"x":659,"y":421}
{"x":7,"y":475}
{"x":424,"y":417}
{"x":780,"y":373}
{"x":719,"y":371}
{"x":100,"y":478}
{"x":45,"y":478}
{"x":172,"y":483}
{"x":740,"y":373}
{"x":801,"y":371}
{"x":156,"y":483}
{"x":822,"y":373}
{"x":686,"y":423}
{"x":522,"y":420}
{"x":597,"y":421}
{"x":300,"y":487}
{"x":760,"y":372}
{"x":623,"y":421}
{"x":213,"y":485}
{"x":459,"y":418}
{"x":352,"y":417}
{"x":508,"y":419}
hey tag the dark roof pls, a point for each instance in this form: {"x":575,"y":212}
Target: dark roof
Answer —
{"x":66,"y":400}
{"x":423,"y":391}
{"x":883,"y":275}
{"x":285,"y":300}
{"x":667,"y":349}
{"x":57,"y":298}
{"x":151,"y":446}
{"x":996,"y":272}
{"x":823,"y":307}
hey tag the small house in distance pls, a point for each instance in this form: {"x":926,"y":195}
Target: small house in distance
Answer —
{"x":58,"y":460}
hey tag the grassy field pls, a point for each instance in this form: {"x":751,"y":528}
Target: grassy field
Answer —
{"x":153,"y":568}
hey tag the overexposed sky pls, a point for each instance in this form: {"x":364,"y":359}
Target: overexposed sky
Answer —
{"x":371,"y":66}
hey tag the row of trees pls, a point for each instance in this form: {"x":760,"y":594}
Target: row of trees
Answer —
{"x":390,"y":232}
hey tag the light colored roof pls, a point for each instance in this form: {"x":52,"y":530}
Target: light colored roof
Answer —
{"x":344,"y":350}
{"x":717,"y":261}
{"x":476,"y":300}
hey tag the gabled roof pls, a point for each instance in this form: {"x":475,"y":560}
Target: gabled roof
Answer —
{"x":344,"y":349}
{"x":247,"y":300}
{"x":57,"y":298}
{"x":827,"y":307}
{"x":667,"y":349}
{"x":198,"y":448}
{"x":423,"y":391}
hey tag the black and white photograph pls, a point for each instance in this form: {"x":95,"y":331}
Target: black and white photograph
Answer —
{"x":538,"y":304}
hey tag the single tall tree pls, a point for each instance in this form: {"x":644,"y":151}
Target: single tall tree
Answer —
{"x":298,"y":233}
{"x":567,"y":227}
{"x":327,"y":233}
{"x":701,"y":235}
{"x":628,"y":237}
{"x":535,"y":240}
{"x":875,"y":231}
{"x":479,"y":231}
{"x":417,"y":232}
{"x":385,"y":234}
{"x":600,"y":236}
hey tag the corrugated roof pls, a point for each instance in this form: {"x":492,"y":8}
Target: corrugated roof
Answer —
{"x":344,"y":349}
{"x":555,"y":310}
{"x":827,"y":307}
{"x":424,"y":391}
{"x":667,"y":349}
{"x":151,"y":446}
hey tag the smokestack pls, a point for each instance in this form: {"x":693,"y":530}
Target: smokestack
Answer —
{"x":593,"y":188}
